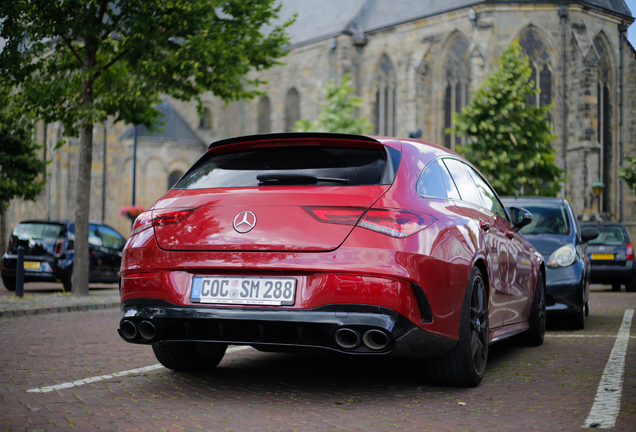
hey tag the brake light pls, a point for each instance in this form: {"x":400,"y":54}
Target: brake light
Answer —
{"x":395,"y":223}
{"x":159,"y":218}
{"x":10,"y":249}
{"x":336,"y":215}
{"x":143,"y":222}
{"x":391,"y":222}
{"x":57,"y":249}
{"x":630,"y":252}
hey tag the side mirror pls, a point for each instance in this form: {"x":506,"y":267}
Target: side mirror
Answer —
{"x":589,"y":233}
{"x":520,"y":218}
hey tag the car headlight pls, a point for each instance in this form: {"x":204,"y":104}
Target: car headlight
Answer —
{"x":562,"y":257}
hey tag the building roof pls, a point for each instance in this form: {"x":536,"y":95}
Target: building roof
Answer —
{"x":172,"y":128}
{"x":317,"y":20}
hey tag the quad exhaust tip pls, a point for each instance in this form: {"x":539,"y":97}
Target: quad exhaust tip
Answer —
{"x":347,"y":338}
{"x":147,"y":330}
{"x":375,"y":339}
{"x":131,"y":330}
{"x":128,"y":329}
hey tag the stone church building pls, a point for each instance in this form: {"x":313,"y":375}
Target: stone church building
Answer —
{"x":414,"y":63}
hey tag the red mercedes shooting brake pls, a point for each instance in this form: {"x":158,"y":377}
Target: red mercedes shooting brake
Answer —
{"x":344,"y":243}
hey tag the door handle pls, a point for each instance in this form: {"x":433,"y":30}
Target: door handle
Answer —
{"x":510,"y":234}
{"x":484,"y":225}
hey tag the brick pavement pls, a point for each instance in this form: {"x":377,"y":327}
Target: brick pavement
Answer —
{"x":552,"y":386}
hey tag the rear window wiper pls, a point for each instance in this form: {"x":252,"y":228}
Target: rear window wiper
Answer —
{"x":296,"y":179}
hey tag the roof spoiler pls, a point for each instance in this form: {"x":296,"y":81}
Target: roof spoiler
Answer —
{"x":291,"y":135}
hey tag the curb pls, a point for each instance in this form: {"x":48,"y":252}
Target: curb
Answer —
{"x":9,"y":313}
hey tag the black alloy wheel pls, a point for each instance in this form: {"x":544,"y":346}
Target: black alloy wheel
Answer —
{"x":535,"y":335}
{"x":465,"y":364}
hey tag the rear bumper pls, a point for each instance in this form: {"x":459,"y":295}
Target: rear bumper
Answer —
{"x":49,"y":273}
{"x":284,"y":330}
{"x":607,"y":274}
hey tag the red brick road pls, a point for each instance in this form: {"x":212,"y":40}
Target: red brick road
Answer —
{"x":550,"y":387}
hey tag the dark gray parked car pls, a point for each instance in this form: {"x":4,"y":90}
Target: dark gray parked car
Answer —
{"x":49,"y":253}
{"x":555,"y":233}
{"x":612,"y":256}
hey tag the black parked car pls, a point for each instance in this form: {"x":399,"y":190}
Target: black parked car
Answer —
{"x":612,"y":256}
{"x":555,"y":233}
{"x":49,"y":252}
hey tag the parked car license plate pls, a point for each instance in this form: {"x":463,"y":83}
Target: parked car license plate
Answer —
{"x":599,"y":256}
{"x":32,"y":265}
{"x":278,"y":291}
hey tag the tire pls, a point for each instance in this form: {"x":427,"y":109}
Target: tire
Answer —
{"x":616,"y":287}
{"x":9,"y":283}
{"x":465,"y":364}
{"x":629,"y":286}
{"x":190,"y":357}
{"x":577,"y":321}
{"x":535,"y":335}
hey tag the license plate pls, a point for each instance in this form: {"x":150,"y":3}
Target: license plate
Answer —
{"x":243,"y":290}
{"x":602,"y":256}
{"x":32,"y":265}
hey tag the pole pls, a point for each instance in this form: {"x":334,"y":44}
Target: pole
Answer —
{"x":134,"y":173}
{"x":19,"y":277}
{"x":104,"y":174}
{"x":563,"y":13}
{"x":622,"y":28}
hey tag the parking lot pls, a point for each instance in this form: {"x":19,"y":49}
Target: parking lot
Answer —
{"x":71,"y":370}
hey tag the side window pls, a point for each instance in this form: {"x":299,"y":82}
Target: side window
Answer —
{"x":451,"y":188}
{"x":93,"y":236}
{"x":488,"y":196}
{"x":464,"y":181}
{"x":431,"y":183}
{"x":111,"y":238}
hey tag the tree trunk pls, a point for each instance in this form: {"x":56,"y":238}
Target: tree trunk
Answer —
{"x":82,"y":212}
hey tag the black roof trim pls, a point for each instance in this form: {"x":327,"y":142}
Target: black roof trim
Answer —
{"x":292,"y":135}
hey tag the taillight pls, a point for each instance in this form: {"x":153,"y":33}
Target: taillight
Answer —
{"x":57,"y":249}
{"x":395,"y":223}
{"x":336,"y":215}
{"x":10,"y":249}
{"x":143,"y":222}
{"x":392,"y":222}
{"x":159,"y":218}
{"x":630,"y":252}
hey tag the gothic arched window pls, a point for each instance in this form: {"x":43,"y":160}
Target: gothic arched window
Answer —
{"x":537,"y":52}
{"x":604,"y":118}
{"x":173,"y":178}
{"x":263,"y":115}
{"x":385,"y":99}
{"x":292,"y":109}
{"x":457,"y":85}
{"x":205,"y":122}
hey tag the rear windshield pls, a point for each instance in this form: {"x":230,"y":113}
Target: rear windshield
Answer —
{"x":609,"y":235}
{"x":547,"y":219}
{"x":288,"y":166}
{"x":34,"y":230}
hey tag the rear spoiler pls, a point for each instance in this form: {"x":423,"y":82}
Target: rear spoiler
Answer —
{"x":292,"y":135}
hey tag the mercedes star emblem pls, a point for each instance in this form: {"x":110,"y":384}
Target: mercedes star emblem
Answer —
{"x":244,"y":221}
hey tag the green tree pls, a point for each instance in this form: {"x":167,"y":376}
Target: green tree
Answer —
{"x":20,"y":167}
{"x":628,"y":173}
{"x":80,"y":61}
{"x":337,"y":113}
{"x":508,"y":138}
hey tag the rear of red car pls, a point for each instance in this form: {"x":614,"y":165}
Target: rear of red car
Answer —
{"x":297,"y":241}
